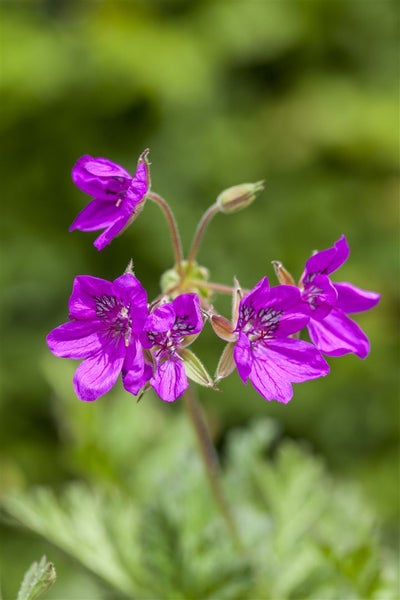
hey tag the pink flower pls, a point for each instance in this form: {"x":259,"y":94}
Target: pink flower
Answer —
{"x":106,"y":318}
{"x":330,"y":329}
{"x":118,"y":197}
{"x":264,"y":352}
{"x":165,"y":331}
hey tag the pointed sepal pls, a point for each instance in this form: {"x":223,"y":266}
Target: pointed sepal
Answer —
{"x":195,"y":370}
{"x":237,"y":295}
{"x":226,"y":363}
{"x":129,"y":267}
{"x":284,"y":277}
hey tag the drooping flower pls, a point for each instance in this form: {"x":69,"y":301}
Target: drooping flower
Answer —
{"x":262,"y":350}
{"x":330,"y":329}
{"x":106,"y":318}
{"x":165,"y":331}
{"x":118,"y":197}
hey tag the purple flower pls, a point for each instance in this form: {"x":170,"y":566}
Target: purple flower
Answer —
{"x":264,"y":352}
{"x":118,"y":197}
{"x":330,"y":329}
{"x":106,"y":319}
{"x":165,"y":331}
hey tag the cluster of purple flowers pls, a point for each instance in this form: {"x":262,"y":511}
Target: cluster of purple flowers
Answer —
{"x":110,"y":328}
{"x":114,"y":330}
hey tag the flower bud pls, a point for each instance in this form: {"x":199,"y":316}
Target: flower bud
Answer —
{"x":222,"y":328}
{"x":239,"y":196}
{"x":172,"y":283}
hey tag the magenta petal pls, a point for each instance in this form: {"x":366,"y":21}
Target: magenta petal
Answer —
{"x":269,"y":381}
{"x":97,"y":374}
{"x":327,"y":261}
{"x":284,"y":297}
{"x":337,"y":334}
{"x":258,"y":296}
{"x":161,"y":319}
{"x":278,"y":363}
{"x":352,"y":299}
{"x":111,"y":232}
{"x":82,"y":303}
{"x":242,"y":356}
{"x":134,"y":384}
{"x":133,"y":295}
{"x":134,"y":374}
{"x":170,"y":380}
{"x":75,"y":339}
{"x":188,"y":315}
{"x":98,"y":214}
{"x":279,"y":307}
{"x":139,"y":185}
{"x":293,"y":320}
{"x":100,"y":178}
{"x":321,"y":295}
{"x":293,"y":312}
{"x":103,"y":167}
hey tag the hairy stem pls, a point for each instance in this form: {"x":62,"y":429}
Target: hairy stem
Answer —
{"x":204,"y":221}
{"x":210,"y":460}
{"x":173,"y":227}
{"x":211,"y":285}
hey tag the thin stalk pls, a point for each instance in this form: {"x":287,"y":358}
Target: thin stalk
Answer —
{"x":204,"y":221}
{"x":210,"y":461}
{"x":217,"y":287}
{"x":173,"y":227}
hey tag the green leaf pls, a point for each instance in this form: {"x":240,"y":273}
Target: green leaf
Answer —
{"x":94,"y":526}
{"x":38,"y":579}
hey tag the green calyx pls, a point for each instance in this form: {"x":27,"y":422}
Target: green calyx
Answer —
{"x":193,"y":280}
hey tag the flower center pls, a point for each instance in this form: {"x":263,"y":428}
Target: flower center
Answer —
{"x":168,"y":341}
{"x":114,"y":315}
{"x":258,"y":325}
{"x":310,"y":291}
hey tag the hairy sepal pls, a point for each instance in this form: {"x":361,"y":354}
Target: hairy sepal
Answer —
{"x":195,"y":370}
{"x":226,"y":362}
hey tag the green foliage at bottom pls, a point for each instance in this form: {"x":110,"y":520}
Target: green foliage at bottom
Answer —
{"x":304,"y":534}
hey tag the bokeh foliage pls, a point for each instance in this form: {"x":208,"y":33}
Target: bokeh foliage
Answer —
{"x":302,"y":94}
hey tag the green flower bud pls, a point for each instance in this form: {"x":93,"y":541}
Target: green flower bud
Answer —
{"x":173,"y":284}
{"x":239,"y":196}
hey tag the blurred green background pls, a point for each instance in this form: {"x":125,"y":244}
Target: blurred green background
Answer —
{"x":301,"y":94}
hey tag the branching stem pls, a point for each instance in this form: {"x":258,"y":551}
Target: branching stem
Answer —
{"x":204,"y":221}
{"x":173,"y":227}
{"x":217,"y":287}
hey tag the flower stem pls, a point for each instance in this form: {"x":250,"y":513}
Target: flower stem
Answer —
{"x":173,"y":227}
{"x":204,"y":221}
{"x":211,"y":285}
{"x":210,"y":460}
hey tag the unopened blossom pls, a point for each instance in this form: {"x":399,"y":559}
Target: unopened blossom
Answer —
{"x":117,"y":196}
{"x":106,"y":318}
{"x":330,"y":329}
{"x":264,"y":352}
{"x":166,"y":331}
